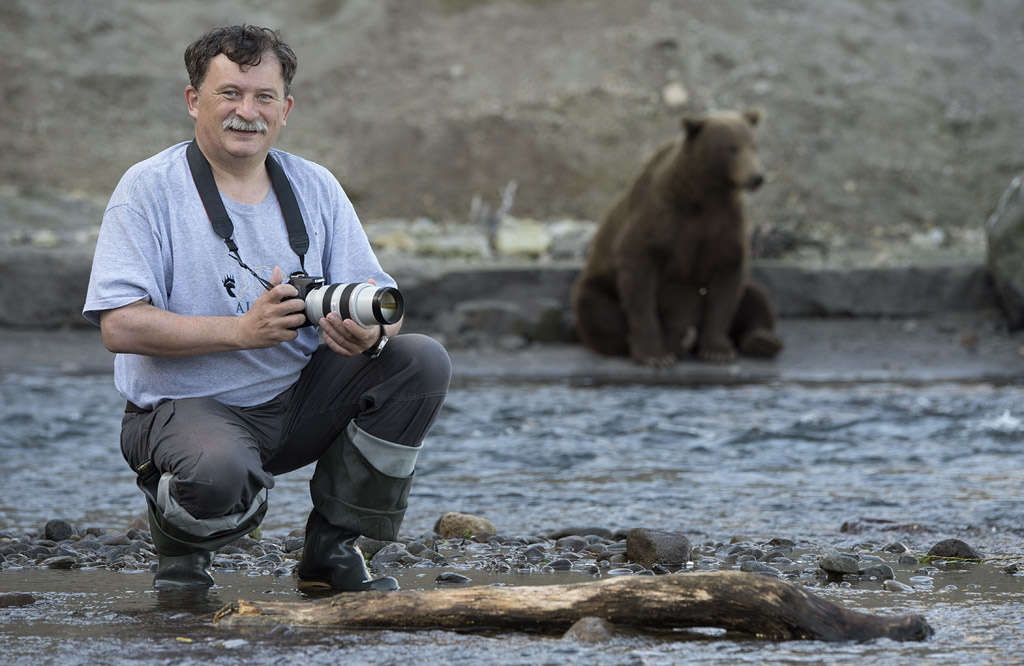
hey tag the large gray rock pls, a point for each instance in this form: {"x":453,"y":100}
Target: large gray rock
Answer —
{"x":648,"y":547}
{"x":455,"y":525}
{"x":955,"y":549}
{"x":59,"y":530}
{"x":834,"y":562}
{"x":1005,"y":236}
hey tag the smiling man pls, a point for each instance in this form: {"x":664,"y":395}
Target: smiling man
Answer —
{"x":225,"y":387}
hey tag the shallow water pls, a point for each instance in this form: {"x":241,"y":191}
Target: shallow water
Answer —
{"x":713,"y":462}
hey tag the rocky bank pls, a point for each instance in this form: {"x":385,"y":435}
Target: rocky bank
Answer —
{"x":889,"y":126}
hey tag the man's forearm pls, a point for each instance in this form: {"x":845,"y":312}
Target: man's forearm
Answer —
{"x":141,"y":328}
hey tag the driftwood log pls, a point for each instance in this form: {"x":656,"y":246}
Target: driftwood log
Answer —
{"x":762,"y":606}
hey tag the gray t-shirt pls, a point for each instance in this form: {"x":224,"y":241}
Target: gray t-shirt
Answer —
{"x":157,"y":244}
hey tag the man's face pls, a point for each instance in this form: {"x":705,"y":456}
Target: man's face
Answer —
{"x":239,"y":111}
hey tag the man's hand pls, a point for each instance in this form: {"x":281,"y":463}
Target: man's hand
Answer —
{"x":272,"y":316}
{"x":346,"y":337}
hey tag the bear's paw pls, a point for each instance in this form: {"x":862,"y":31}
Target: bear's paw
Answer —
{"x":761,"y":343}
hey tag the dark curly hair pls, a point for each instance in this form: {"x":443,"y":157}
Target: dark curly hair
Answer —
{"x":242,"y":44}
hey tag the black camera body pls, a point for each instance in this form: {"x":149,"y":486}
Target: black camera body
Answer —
{"x":304,"y":283}
{"x":362,"y":302}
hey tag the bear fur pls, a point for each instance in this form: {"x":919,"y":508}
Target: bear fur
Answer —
{"x":668,"y":272}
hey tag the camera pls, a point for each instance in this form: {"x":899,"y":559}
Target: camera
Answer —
{"x":366,"y":304}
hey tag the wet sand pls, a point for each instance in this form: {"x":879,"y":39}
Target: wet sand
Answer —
{"x":955,"y":346}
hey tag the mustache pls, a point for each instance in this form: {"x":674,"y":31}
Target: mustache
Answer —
{"x":236,"y":123}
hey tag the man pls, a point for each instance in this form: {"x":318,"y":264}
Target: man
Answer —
{"x":224,"y":391}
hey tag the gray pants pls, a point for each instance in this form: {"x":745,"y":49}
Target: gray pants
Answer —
{"x":217,"y":459}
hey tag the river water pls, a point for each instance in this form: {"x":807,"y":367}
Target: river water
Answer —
{"x":716,"y":463}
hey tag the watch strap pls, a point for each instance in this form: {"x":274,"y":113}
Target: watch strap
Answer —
{"x":375,"y":350}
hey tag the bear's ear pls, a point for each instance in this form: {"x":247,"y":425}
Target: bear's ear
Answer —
{"x":692,"y":125}
{"x":753,"y":116}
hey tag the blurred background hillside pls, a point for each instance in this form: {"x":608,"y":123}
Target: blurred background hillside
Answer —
{"x":891,"y":127}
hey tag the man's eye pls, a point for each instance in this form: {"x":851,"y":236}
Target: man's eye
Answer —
{"x":230,"y":94}
{"x":266,"y":98}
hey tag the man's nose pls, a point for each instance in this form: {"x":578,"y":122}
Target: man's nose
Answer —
{"x":246,"y":108}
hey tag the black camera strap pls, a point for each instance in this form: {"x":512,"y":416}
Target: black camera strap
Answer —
{"x":202,"y":174}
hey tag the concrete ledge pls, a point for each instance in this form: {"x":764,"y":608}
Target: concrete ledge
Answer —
{"x":890,"y":292}
{"x":797,"y":292}
{"x":51,"y":290}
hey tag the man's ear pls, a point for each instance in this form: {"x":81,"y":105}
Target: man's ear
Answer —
{"x":192,"y":101}
{"x":288,"y":103}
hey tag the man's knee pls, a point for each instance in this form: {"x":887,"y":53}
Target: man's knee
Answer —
{"x":426,"y":360}
{"x":220,"y":485}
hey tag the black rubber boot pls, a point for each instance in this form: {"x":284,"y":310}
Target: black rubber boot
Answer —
{"x":184,"y":558}
{"x":184,"y":571}
{"x":332,"y":561}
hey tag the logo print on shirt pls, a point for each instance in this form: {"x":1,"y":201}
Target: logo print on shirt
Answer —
{"x":229,"y":285}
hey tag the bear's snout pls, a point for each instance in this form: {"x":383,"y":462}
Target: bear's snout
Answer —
{"x":756,"y":181}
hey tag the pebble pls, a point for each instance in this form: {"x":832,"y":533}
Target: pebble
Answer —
{"x":16,"y":600}
{"x":561,"y":564}
{"x":620,"y":571}
{"x":896,"y":586}
{"x":389,"y":554}
{"x":921,"y":581}
{"x":895,"y":547}
{"x":452,"y":577}
{"x":590,"y":630}
{"x":574,"y":542}
{"x":760,"y":568}
{"x":60,"y":562}
{"x":880,"y":571}
{"x":533,"y":554}
{"x":833,"y":561}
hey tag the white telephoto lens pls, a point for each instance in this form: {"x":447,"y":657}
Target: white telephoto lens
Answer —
{"x":362,"y":302}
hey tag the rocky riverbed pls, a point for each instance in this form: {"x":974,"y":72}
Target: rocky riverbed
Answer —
{"x":463,"y":547}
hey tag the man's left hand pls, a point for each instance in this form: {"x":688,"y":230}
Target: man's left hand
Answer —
{"x":346,"y":337}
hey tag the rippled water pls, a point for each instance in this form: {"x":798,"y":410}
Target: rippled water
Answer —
{"x":713,"y":462}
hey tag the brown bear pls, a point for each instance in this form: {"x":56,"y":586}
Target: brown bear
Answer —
{"x":668,"y":271}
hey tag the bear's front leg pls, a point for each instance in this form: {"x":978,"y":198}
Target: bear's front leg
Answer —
{"x":638,"y":295}
{"x":679,"y":304}
{"x":720,"y":303}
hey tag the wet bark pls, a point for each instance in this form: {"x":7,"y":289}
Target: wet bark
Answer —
{"x":762,"y":606}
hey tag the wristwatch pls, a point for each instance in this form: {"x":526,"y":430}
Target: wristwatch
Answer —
{"x":374,"y":351}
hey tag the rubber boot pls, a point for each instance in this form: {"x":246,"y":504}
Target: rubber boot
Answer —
{"x":331,"y":560}
{"x":184,"y":571}
{"x":185,"y":558}
{"x":361,"y":483}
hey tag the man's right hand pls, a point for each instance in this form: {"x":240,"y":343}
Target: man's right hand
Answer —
{"x":273,"y":316}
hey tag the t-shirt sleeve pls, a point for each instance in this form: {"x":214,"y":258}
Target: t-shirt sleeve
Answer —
{"x":127,"y":265}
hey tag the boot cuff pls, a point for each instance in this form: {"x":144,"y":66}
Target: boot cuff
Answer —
{"x":388,"y":458}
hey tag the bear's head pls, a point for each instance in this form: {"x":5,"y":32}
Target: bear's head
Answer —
{"x":721,"y":145}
